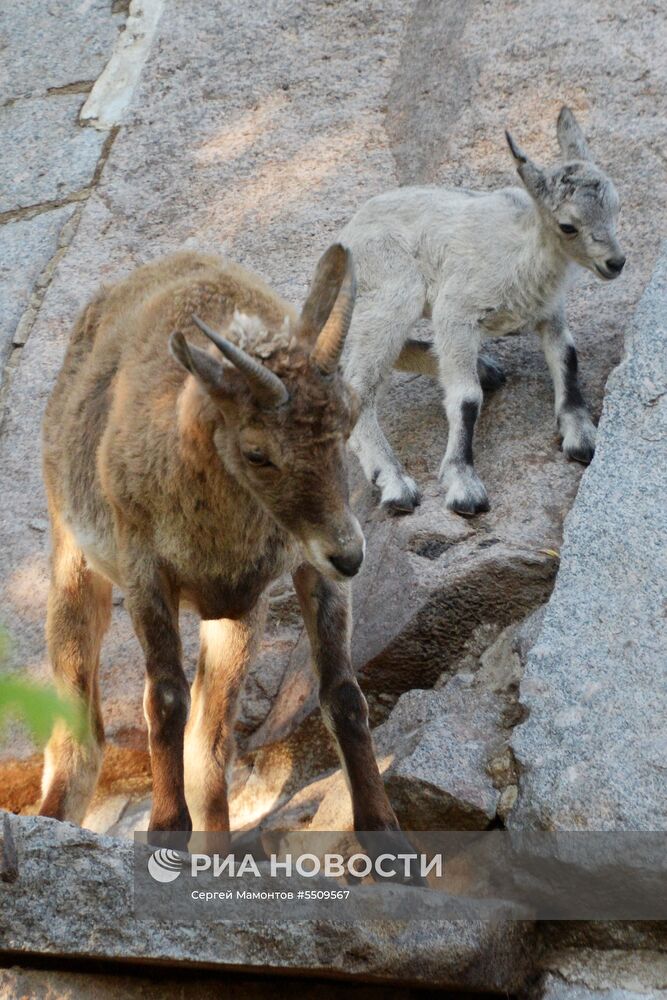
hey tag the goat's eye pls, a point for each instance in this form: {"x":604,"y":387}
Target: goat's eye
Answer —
{"x":257,"y":458}
{"x":565,"y":227}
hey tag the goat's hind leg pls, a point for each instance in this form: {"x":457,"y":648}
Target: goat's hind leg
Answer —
{"x":227,"y":647}
{"x":78,"y":615}
{"x":380,"y":325}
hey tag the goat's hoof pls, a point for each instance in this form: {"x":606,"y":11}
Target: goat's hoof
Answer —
{"x":467,"y":506}
{"x":491,"y":375}
{"x":403,"y":502}
{"x":466,"y":496}
{"x":582,"y":453}
{"x":390,"y":840}
{"x":578,"y":433}
{"x":401,"y":507}
{"x":171,"y":830}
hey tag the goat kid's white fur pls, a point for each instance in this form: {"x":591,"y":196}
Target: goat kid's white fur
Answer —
{"x":478,"y":264}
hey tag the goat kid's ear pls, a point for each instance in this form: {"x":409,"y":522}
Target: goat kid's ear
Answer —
{"x":330,"y":273}
{"x":570,"y":137}
{"x":531,"y":175}
{"x":206,"y":369}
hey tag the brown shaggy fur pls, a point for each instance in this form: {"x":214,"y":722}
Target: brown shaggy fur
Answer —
{"x":178,"y":486}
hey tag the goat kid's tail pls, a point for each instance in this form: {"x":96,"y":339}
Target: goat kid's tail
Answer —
{"x":417,"y":356}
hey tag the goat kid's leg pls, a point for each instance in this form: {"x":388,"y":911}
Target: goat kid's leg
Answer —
{"x":326,"y":611}
{"x":78,"y":615}
{"x":227,"y":647}
{"x":457,"y":344}
{"x":574,"y":423}
{"x":380,"y":325}
{"x":490,"y":373}
{"x":153,"y":607}
{"x":399,"y":493}
{"x":419,"y":356}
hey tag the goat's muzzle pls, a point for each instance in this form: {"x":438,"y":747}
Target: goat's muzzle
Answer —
{"x":338,"y":556}
{"x":349,"y":563}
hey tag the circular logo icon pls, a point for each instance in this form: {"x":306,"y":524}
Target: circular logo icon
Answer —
{"x":164,"y":865}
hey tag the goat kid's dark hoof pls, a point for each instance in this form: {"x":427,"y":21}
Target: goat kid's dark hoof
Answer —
{"x":399,"y":508}
{"x":469,"y":509}
{"x":583,"y":454}
{"x":468,"y":503}
{"x":407,"y":503}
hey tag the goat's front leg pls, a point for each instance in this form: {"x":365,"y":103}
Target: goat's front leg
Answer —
{"x":227,"y":647}
{"x":326,"y":611}
{"x":153,"y":607}
{"x":574,"y":423}
{"x":457,"y":345}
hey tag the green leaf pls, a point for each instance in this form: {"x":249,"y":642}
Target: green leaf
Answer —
{"x":40,"y":707}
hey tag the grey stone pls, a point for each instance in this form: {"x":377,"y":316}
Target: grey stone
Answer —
{"x":554,"y":987}
{"x":26,"y":247}
{"x":105,"y":816}
{"x":74,"y":898}
{"x":134,"y":818}
{"x":442,"y":743}
{"x":592,"y":750}
{"x":48,"y":155}
{"x":54,"y":44}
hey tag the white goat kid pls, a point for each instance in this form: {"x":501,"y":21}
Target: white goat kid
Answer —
{"x":479,"y":264}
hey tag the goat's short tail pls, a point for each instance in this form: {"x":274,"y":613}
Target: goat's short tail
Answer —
{"x":417,"y":356}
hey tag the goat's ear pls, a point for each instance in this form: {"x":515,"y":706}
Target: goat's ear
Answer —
{"x":570,"y":137}
{"x":329,"y":275}
{"x":531,"y":175}
{"x":206,"y":369}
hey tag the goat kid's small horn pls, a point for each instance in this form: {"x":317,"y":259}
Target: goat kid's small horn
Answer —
{"x":265,"y":386}
{"x":329,"y":345}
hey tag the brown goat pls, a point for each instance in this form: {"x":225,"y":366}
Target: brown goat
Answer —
{"x":186,"y":479}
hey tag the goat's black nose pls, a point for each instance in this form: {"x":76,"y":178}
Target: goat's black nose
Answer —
{"x":348,"y":565}
{"x":615,"y":264}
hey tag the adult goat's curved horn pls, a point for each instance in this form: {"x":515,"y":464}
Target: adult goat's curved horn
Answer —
{"x":329,"y":344}
{"x":265,"y":386}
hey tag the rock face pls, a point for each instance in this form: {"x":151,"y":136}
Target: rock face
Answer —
{"x":36,"y":914}
{"x":592,"y":750}
{"x":26,"y":247}
{"x":61,"y":45}
{"x":450,"y":738}
{"x":49,"y":157}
